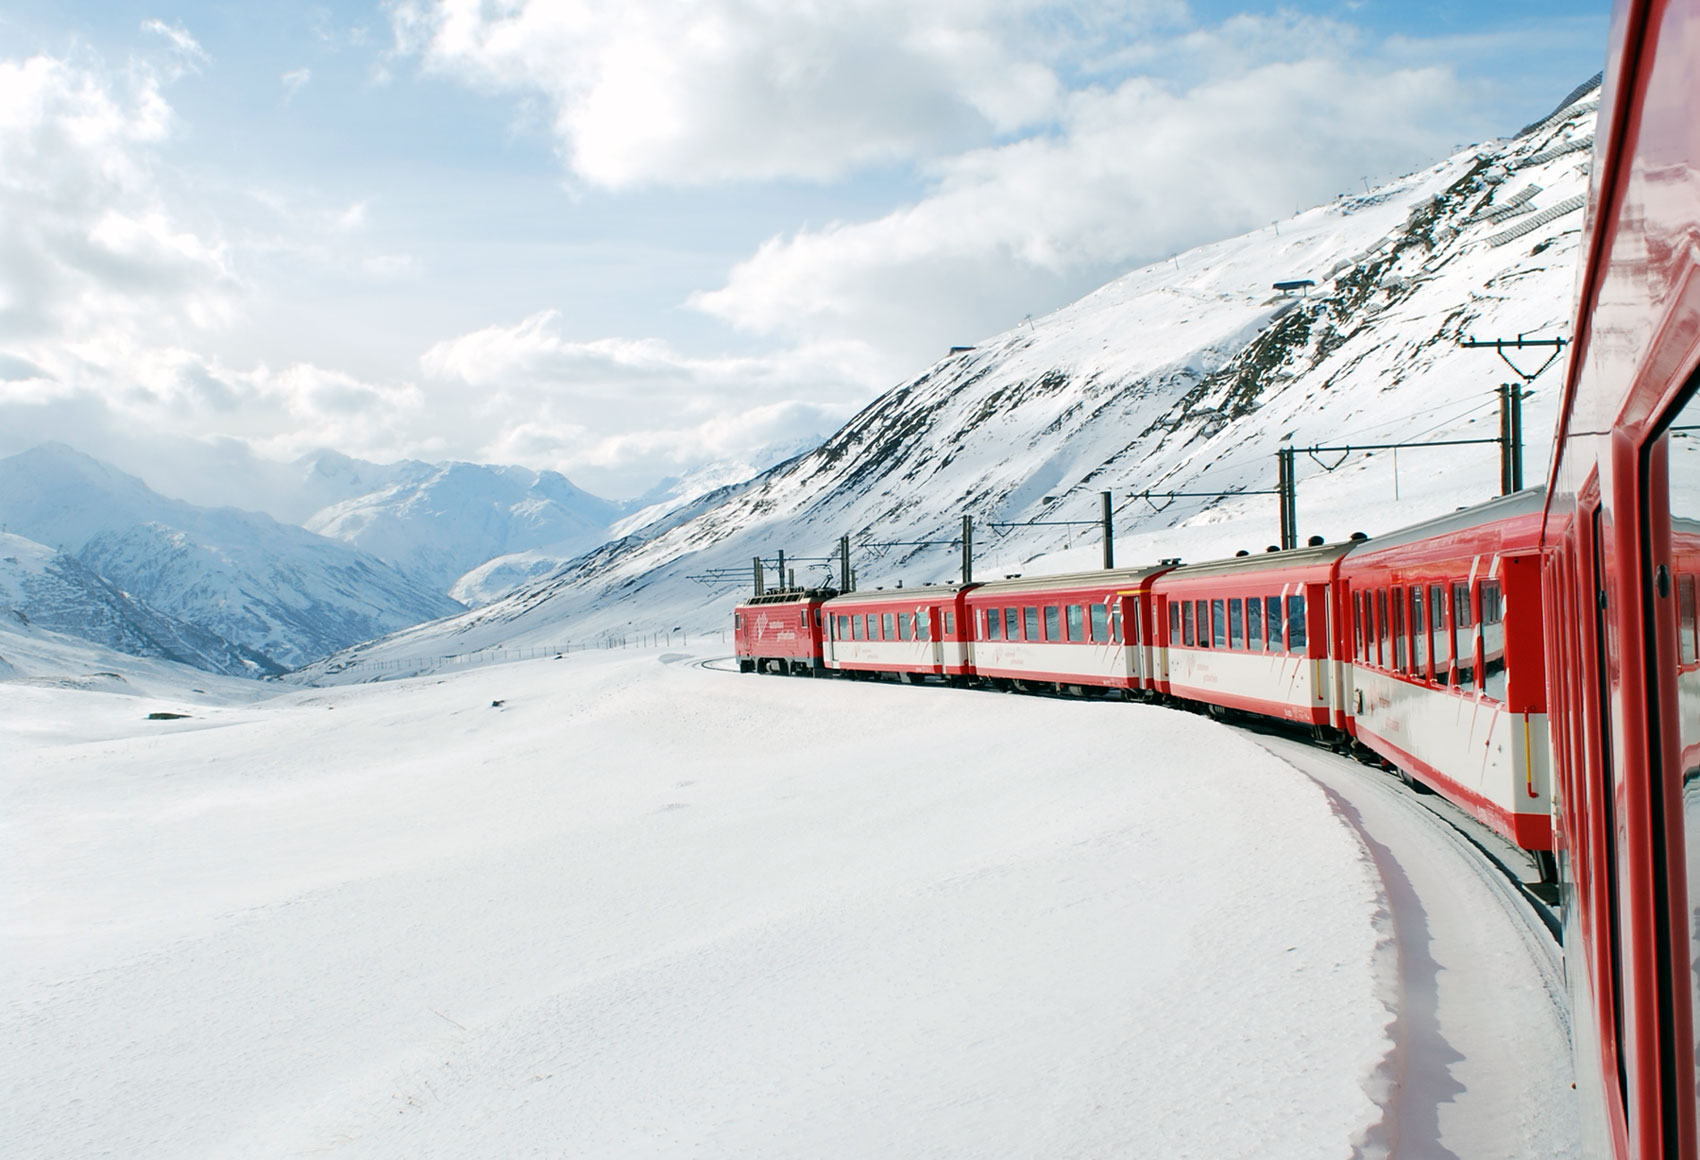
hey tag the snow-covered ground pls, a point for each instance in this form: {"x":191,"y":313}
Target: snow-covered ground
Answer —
{"x":620,"y":904}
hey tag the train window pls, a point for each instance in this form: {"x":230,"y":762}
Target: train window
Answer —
{"x":1296,"y":623}
{"x":1011,"y":624}
{"x":1681,"y":444}
{"x":1030,"y":616}
{"x":1272,"y":623}
{"x":1463,"y":625}
{"x":1220,"y":621}
{"x":905,"y":626}
{"x":1493,"y":640}
{"x":1382,"y":629}
{"x":1396,"y":627}
{"x":1358,"y":625}
{"x":738,"y":621}
{"x":1419,"y":632}
{"x":887,"y":628}
{"x":1186,"y":623}
{"x":856,"y":630}
{"x":843,"y":632}
{"x":1175,"y":622}
{"x":994,"y":624}
{"x":1076,"y":623}
{"x":1053,"y":623}
{"x":1100,"y":623}
{"x":1441,"y":634}
{"x":1688,"y":648}
{"x":1236,"y":624}
{"x":1254,"y":624}
{"x":949,"y":623}
{"x":924,"y":625}
{"x":1116,"y":622}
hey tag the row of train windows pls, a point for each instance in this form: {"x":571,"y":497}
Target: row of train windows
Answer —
{"x":889,"y":626}
{"x":1076,"y":623}
{"x":1260,"y":624}
{"x":1429,"y":632}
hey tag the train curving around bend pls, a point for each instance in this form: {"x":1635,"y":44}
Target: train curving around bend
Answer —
{"x":1535,"y":659}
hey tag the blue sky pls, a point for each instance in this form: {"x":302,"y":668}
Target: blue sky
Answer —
{"x":623,"y":239}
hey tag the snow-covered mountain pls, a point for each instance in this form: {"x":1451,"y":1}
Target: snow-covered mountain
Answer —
{"x":667,"y":504}
{"x":1186,"y":375}
{"x":59,"y":593}
{"x":438,"y":524}
{"x":273,"y":588}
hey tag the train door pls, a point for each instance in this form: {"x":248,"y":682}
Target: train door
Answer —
{"x":935,"y":634}
{"x":1671,"y":475}
{"x":1133,"y":666}
{"x":1602,"y":869}
{"x":1319,"y":614}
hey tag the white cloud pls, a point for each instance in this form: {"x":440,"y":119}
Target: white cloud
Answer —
{"x":620,"y":411}
{"x":653,"y":92}
{"x":294,"y":81}
{"x":187,"y":49}
{"x":1131,"y":174}
{"x":87,"y":244}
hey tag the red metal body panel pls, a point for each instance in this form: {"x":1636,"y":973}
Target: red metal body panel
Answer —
{"x":1616,"y":705}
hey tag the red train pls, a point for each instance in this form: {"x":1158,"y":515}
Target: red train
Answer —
{"x":1536,"y":659}
{"x":1422,"y":648}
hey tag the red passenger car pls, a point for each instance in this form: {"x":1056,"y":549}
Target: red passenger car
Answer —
{"x":1259,"y":634}
{"x":1090,"y":630}
{"x":1446,"y":661}
{"x":780,"y":632}
{"x":915,"y":632}
{"x":1620,"y":577}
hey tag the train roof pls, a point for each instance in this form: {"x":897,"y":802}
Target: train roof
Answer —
{"x":1528,"y":502}
{"x":920,"y":591}
{"x":790,"y":596}
{"x":1307,"y":557}
{"x":1101,"y":578}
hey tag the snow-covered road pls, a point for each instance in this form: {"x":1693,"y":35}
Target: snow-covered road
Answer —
{"x":643,"y":908}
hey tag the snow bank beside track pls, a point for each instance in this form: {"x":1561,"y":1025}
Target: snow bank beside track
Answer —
{"x":646,"y":908}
